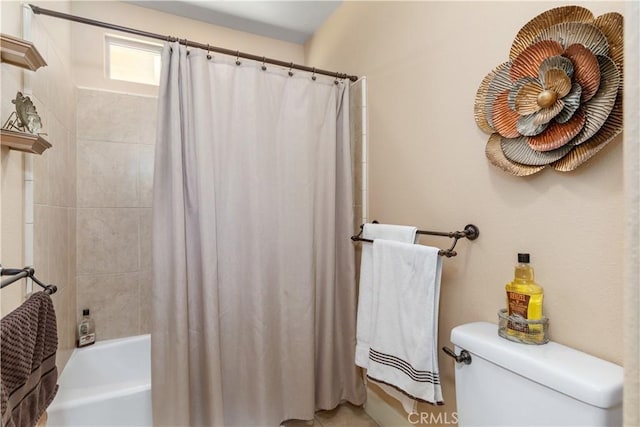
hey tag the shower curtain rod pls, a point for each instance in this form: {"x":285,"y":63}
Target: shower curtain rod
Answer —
{"x":40,"y":11}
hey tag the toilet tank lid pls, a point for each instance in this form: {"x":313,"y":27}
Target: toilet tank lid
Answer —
{"x":561,"y":368}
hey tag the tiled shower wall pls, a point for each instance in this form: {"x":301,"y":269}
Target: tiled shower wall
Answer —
{"x":116,"y":137}
{"x":358,"y":116}
{"x":50,"y":227}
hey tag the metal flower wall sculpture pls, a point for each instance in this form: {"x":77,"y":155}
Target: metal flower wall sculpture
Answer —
{"x":558,"y":100}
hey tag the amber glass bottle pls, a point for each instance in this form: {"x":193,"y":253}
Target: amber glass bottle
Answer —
{"x":524,"y":299}
{"x":86,"y":330}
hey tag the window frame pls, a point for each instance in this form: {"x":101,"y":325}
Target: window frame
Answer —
{"x":132,"y":44}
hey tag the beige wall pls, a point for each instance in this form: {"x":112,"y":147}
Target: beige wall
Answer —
{"x":632,"y":216}
{"x":54,"y":182}
{"x":424,"y":62}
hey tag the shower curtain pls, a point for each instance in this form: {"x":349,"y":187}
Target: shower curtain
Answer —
{"x":253,"y":305}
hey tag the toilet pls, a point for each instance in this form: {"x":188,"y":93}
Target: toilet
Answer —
{"x":513,"y":384}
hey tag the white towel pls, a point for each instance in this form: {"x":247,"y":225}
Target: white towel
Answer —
{"x":400,"y":233}
{"x":404,"y":335}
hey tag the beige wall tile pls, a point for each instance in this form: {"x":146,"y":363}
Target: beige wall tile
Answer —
{"x":10,"y":83}
{"x":58,"y":165}
{"x":72,"y":266}
{"x":107,"y":174}
{"x":65,"y":298}
{"x":41,"y":219}
{"x":59,"y":249}
{"x":40,"y":38}
{"x":58,"y":246}
{"x":145,"y":238}
{"x":61,"y":91}
{"x":107,"y":240}
{"x":116,"y":172}
{"x":72,"y":253}
{"x":114,"y":303}
{"x":145,"y":285}
{"x":145,"y":175}
{"x":355,"y":94}
{"x":357,"y":178}
{"x":71,"y":288}
{"x":64,"y":303}
{"x":355,"y":115}
{"x":71,"y":177}
{"x":41,"y":180}
{"x":59,"y":30}
{"x":40,"y":82}
{"x":357,"y":219}
{"x":114,"y":117}
{"x":356,"y":153}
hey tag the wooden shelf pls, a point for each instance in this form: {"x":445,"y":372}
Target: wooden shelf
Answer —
{"x":20,"y":53}
{"x":21,"y":141}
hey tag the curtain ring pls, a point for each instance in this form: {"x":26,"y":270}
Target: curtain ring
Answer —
{"x":185,"y":42}
{"x":238,"y":57}
{"x":336,"y":76}
{"x":290,"y":67}
{"x":208,"y":50}
{"x":313,"y":76}
{"x":264,"y":67}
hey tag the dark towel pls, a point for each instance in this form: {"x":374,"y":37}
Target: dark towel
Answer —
{"x":28,"y":376}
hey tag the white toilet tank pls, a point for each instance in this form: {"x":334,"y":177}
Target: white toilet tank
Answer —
{"x":513,"y":384}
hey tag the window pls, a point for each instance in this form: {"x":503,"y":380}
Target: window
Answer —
{"x":132,"y":60}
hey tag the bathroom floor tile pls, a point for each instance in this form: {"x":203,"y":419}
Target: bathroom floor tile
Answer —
{"x":345,"y":415}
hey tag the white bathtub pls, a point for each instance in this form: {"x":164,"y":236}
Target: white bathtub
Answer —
{"x":105,"y":384}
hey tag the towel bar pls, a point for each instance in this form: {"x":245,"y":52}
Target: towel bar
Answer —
{"x":470,"y":232}
{"x":22,"y":273}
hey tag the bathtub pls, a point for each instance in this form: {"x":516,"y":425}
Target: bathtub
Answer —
{"x":105,"y":384}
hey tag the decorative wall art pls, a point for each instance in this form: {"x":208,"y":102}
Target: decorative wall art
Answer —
{"x":25,"y":118}
{"x":22,"y":129}
{"x":558,"y":100}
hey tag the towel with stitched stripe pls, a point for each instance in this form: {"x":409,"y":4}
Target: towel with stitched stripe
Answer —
{"x":406,"y":291}
{"x":28,"y":377}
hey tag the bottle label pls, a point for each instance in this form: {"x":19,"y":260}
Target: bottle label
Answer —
{"x":86,"y":339}
{"x":518,"y":307}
